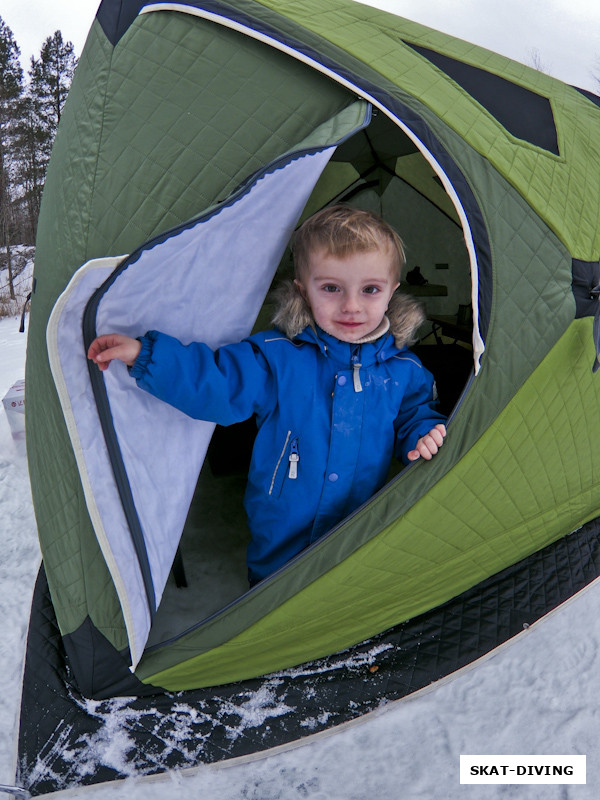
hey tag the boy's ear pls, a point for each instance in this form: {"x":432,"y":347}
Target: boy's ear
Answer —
{"x":300,"y":286}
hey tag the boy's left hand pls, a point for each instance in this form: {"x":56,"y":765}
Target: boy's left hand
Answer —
{"x":428,"y":445}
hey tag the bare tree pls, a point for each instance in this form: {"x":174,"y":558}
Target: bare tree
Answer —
{"x":535,"y":61}
{"x":595,"y":73}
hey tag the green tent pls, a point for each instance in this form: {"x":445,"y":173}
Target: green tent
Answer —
{"x":196,"y":136}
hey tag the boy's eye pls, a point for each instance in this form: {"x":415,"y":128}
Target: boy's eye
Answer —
{"x":330,"y":288}
{"x":371,"y":289}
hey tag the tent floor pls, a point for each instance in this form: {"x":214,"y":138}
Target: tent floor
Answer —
{"x":64,"y":738}
{"x":213,"y":552}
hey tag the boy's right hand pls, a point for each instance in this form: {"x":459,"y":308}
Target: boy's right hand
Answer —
{"x":114,"y":345}
{"x":428,"y":445}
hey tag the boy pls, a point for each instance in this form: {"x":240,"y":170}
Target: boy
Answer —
{"x":334,"y":388}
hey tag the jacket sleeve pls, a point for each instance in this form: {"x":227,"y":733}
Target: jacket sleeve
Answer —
{"x":418,"y":414}
{"x":225,"y":386}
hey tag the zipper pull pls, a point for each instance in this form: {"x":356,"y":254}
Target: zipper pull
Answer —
{"x":356,"y":365}
{"x":294,"y":459}
{"x":356,"y":377}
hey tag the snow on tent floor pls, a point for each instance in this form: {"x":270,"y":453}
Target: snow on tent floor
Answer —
{"x":537,"y":695}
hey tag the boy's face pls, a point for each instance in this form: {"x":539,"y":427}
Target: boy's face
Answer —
{"x":349,"y":296}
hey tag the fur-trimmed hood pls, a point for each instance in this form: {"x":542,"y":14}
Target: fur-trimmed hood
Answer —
{"x":292,"y":314}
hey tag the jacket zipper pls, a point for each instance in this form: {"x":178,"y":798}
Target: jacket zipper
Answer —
{"x":294,"y":458}
{"x":356,"y":365}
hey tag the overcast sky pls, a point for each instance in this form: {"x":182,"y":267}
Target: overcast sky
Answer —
{"x":564,"y":33}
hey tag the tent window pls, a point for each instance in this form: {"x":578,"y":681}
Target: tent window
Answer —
{"x":523,"y":113}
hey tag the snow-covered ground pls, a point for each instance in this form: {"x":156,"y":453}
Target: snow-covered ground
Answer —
{"x":537,"y":695}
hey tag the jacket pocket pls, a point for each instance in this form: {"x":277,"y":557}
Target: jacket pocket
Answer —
{"x":287,"y":465}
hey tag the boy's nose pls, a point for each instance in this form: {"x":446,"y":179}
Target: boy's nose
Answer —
{"x":350,"y":303}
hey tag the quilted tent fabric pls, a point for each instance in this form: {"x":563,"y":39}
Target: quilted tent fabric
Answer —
{"x":378,"y":40}
{"x":97,"y":178}
{"x":232,"y":86}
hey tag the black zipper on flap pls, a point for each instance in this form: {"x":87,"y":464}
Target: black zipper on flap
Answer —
{"x":114,"y":451}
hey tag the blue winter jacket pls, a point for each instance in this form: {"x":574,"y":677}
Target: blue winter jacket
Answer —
{"x":330,"y":417}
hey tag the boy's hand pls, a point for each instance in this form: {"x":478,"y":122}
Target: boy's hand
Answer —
{"x":114,"y":345}
{"x":428,"y":445}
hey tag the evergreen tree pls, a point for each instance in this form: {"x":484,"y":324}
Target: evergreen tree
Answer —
{"x":50,"y":79}
{"x":39,"y":113}
{"x":11,"y":87}
{"x":30,"y":152}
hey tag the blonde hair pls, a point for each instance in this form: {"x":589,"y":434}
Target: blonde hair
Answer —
{"x":341,"y":230}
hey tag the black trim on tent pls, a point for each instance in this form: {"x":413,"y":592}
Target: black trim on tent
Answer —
{"x":525,"y":114}
{"x":586,"y":285}
{"x":99,"y":670}
{"x":586,"y":289}
{"x":202,"y":726}
{"x":115,"y":17}
{"x":590,"y":95}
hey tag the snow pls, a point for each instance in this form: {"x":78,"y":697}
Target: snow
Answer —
{"x":536,"y":695}
{"x":19,"y":551}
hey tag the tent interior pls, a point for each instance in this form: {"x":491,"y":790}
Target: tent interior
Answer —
{"x":380,"y":169}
